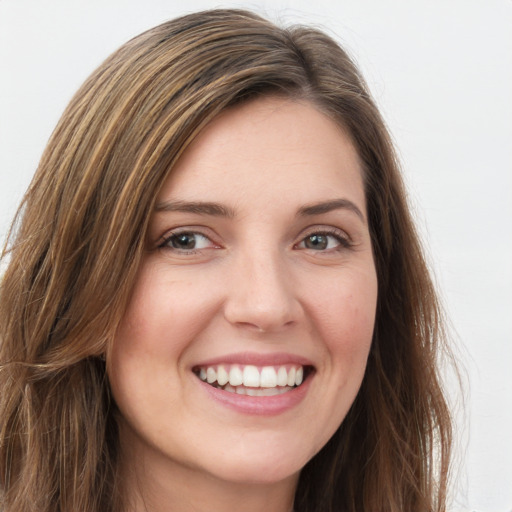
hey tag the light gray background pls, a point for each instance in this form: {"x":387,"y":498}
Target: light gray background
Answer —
{"x":441,"y":70}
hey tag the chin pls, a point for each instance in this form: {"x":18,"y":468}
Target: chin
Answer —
{"x":260,"y":467}
{"x":257,"y":474}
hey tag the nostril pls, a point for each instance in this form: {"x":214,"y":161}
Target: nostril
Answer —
{"x":262,"y":318}
{"x":264,"y":328}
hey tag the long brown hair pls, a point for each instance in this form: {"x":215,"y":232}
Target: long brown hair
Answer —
{"x":75,"y":254}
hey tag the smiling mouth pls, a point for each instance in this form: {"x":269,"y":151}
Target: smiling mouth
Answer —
{"x":252,"y":380}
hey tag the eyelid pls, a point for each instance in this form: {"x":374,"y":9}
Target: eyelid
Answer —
{"x":165,"y":239}
{"x":341,"y":235}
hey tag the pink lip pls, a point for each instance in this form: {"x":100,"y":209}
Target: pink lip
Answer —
{"x":246,"y":358}
{"x":258,"y":405}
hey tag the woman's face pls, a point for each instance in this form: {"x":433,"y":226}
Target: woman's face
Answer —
{"x":258,"y":270}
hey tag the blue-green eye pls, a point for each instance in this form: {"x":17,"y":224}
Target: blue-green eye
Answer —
{"x":323,"y":242}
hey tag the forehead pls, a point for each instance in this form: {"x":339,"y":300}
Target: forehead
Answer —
{"x":270,"y":147}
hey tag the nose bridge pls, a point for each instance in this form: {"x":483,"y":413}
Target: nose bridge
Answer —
{"x":262,"y":293}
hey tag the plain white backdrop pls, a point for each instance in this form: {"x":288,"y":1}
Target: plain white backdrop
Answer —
{"x":441,"y":71}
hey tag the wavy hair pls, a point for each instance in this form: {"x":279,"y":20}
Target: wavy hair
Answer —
{"x":80,"y":235}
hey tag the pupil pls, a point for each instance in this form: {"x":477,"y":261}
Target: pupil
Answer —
{"x":316,"y":242}
{"x":184,"y":241}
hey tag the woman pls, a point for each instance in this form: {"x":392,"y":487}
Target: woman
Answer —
{"x":216,"y":297}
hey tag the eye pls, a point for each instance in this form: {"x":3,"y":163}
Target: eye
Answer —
{"x":187,"y":241}
{"x":324,"y":241}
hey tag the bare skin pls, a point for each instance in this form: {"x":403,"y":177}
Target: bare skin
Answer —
{"x":259,"y":259}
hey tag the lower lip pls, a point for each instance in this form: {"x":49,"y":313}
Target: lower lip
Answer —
{"x":259,"y":405}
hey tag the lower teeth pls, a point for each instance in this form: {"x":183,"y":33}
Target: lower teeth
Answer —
{"x":242,"y":390}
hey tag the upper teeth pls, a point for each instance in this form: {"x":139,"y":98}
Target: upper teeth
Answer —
{"x":252,"y":376}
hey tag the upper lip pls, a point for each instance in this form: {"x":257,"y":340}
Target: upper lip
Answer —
{"x":256,"y":359}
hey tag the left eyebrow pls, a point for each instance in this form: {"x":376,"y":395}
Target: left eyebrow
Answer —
{"x":329,"y":206}
{"x":198,"y":207}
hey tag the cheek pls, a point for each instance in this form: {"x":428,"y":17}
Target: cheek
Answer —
{"x":142,"y":343}
{"x":156,"y":330}
{"x":162,"y":317}
{"x":345,"y":316}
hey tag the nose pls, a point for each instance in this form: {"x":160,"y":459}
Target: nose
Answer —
{"x":262,"y":293}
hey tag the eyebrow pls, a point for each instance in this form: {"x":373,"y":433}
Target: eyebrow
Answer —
{"x":329,"y":206}
{"x":199,"y":207}
{"x":219,"y":210}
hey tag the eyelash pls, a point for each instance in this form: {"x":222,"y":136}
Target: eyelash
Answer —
{"x":173,"y":235}
{"x":341,"y":238}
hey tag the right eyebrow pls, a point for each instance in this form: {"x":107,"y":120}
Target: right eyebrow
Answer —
{"x":198,"y":207}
